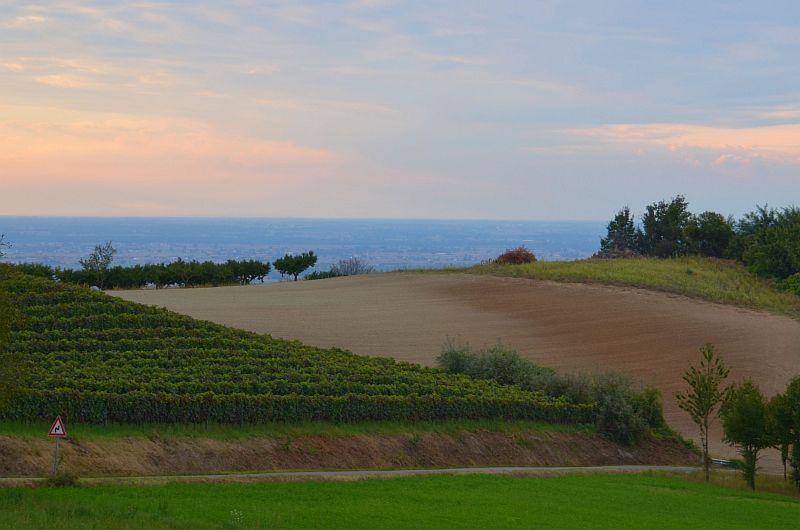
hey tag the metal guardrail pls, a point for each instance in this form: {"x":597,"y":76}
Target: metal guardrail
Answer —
{"x":722,"y":463}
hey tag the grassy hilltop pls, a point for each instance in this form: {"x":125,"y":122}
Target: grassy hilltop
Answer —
{"x":715,"y":280}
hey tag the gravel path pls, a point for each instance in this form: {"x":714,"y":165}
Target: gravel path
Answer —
{"x":361,"y":474}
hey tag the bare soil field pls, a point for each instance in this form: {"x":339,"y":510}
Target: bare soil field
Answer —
{"x":651,"y":336}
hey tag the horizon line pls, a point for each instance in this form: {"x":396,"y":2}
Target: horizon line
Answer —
{"x":299,"y":218}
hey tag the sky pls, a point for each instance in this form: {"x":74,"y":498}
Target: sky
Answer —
{"x":390,"y":109}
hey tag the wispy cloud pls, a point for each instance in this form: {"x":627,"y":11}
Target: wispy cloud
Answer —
{"x":13,"y":67}
{"x":776,"y":114}
{"x":63,"y":144}
{"x":776,"y":143}
{"x":24,"y":21}
{"x":65,"y":81}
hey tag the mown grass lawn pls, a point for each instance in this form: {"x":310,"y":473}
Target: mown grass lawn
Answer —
{"x":720,"y":281}
{"x":592,"y":501}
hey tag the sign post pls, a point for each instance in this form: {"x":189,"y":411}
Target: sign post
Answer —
{"x":57,"y":431}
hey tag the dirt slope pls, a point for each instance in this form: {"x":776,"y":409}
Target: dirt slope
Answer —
{"x":163,"y":456}
{"x":649,"y":335}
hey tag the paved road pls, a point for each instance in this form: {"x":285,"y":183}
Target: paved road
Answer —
{"x":365,"y":474}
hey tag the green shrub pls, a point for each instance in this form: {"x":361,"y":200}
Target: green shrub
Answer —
{"x":64,"y":479}
{"x":616,"y":405}
{"x":649,"y":405}
{"x":321,"y":275}
{"x":791,"y":284}
{"x":622,"y":412}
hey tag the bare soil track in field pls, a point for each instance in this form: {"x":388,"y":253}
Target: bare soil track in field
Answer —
{"x":649,"y":335}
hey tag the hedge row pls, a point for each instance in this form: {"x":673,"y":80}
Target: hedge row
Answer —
{"x":100,"y":407}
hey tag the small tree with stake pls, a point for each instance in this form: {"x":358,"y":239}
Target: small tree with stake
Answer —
{"x":705,"y":394}
{"x":745,"y":418}
{"x":294,"y":265}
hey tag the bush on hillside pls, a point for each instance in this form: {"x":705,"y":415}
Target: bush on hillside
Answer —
{"x":320,"y":275}
{"x":618,"y":414}
{"x":64,"y":479}
{"x":516,"y":256}
{"x":791,"y":284}
{"x":351,"y":267}
{"x":616,"y":254}
{"x":623,"y":412}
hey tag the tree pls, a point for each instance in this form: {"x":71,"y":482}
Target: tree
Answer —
{"x":710,"y":234}
{"x":781,"y":427}
{"x":705,"y":394}
{"x":771,"y":244}
{"x":621,"y":233}
{"x":745,"y":419}
{"x":351,"y":267}
{"x":294,"y":265}
{"x":786,"y":421}
{"x":663,"y":231}
{"x":98,"y":262}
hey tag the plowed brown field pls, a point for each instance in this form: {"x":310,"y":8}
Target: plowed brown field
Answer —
{"x":649,"y":335}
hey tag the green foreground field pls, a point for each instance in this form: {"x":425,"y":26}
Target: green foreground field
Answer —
{"x":590,"y":501}
{"x":715,"y":280}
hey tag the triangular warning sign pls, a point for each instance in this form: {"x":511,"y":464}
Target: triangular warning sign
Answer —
{"x":58,"y":428}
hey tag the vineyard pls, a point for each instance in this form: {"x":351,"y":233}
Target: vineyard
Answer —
{"x":94,"y":358}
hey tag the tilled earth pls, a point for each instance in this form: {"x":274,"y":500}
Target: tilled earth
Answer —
{"x":650,"y":335}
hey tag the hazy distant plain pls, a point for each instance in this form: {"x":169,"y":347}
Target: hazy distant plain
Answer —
{"x":385,"y":244}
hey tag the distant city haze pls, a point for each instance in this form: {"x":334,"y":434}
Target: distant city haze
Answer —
{"x":384,"y":244}
{"x":455,"y":109}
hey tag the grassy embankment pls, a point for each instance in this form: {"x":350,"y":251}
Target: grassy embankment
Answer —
{"x":719,"y":281}
{"x":591,"y":501}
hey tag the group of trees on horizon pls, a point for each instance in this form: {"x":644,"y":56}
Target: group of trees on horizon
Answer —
{"x":766,"y":240}
{"x":97,"y":270}
{"x":184,"y":273}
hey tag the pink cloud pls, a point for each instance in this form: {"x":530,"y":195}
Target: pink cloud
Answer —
{"x":777,"y":143}
{"x":52,"y":145}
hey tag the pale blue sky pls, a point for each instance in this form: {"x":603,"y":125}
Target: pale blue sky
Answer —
{"x":380,"y":108}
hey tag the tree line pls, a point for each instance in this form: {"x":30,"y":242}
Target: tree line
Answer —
{"x":181,"y":273}
{"x":97,"y":270}
{"x":766,"y":240}
{"x":750,"y":421}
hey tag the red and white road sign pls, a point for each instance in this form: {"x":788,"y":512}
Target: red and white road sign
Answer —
{"x":58,"y":428}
